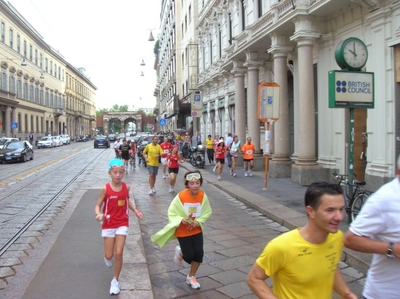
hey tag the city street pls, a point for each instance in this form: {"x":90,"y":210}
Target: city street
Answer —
{"x":235,"y":235}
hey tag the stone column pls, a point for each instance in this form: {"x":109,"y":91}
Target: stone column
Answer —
{"x":253,"y":123}
{"x":7,"y":122}
{"x":240,"y":123}
{"x":306,"y":169}
{"x":281,"y":163}
{"x":14,"y":119}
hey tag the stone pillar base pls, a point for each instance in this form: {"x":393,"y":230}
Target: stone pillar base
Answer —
{"x":280,"y":169}
{"x":304,"y":175}
{"x":258,"y":162}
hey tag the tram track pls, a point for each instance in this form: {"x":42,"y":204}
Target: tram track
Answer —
{"x":15,"y":218}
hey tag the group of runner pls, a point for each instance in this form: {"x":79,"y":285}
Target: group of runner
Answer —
{"x":125,"y":151}
{"x":220,"y":150}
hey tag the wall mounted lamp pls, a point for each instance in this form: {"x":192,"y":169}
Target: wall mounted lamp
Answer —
{"x":23,"y":63}
{"x":142,"y":74}
{"x":151,"y":37}
{"x":142,"y":63}
{"x":42,"y":76}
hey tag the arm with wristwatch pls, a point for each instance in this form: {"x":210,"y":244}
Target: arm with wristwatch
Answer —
{"x":367,"y":245}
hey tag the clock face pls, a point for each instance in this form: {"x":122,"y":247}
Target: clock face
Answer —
{"x":351,"y":54}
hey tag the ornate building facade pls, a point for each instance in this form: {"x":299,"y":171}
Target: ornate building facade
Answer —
{"x":40,"y":92}
{"x":243,"y":43}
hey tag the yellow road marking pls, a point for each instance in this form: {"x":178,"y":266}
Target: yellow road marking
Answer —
{"x":41,"y":167}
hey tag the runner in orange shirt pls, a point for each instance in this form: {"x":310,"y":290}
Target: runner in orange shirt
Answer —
{"x":248,"y":150}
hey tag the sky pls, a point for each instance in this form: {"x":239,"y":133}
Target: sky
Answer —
{"x":109,"y":39}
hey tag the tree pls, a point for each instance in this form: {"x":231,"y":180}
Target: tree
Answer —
{"x":117,"y":108}
{"x":101,"y":111}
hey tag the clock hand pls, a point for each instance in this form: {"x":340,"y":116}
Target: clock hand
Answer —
{"x":354,"y":49}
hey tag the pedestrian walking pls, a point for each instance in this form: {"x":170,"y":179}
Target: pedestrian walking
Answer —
{"x":152,"y":152}
{"x":229,"y":141}
{"x":187,"y":213}
{"x":132,"y":153}
{"x":31,"y":138}
{"x":210,"y":149}
{"x":117,"y":145}
{"x":220,"y":151}
{"x":248,"y":150}
{"x":304,"y":262}
{"x":173,"y":160}
{"x":114,"y":205}
{"x":198,"y":138}
{"x":124,"y":153}
{"x":166,"y":148}
{"x":233,"y":153}
{"x":376,"y":230}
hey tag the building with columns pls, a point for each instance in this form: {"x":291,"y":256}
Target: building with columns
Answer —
{"x":40,"y":92}
{"x":177,"y":63}
{"x":243,"y":43}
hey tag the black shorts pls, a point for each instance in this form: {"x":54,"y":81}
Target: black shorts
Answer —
{"x":222,"y":161}
{"x":247,"y":160}
{"x":125,"y":156}
{"x":192,"y":248}
{"x":173,"y":170}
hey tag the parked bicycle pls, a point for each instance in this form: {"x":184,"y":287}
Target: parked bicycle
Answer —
{"x":355,"y":197}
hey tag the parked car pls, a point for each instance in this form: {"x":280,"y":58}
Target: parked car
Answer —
{"x":101,"y":140}
{"x":65,"y":139}
{"x":82,"y":138}
{"x":112,"y":137}
{"x":45,"y":141}
{"x":17,"y":151}
{"x":5,"y":140}
{"x":57,"y":140}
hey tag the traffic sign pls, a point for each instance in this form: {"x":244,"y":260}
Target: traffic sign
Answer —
{"x":163,"y":122}
{"x":14,"y":125}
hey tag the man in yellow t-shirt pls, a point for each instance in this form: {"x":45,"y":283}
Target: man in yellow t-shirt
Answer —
{"x":152,"y":152}
{"x":210,"y":149}
{"x":304,"y":262}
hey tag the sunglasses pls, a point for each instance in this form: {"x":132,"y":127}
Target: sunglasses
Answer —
{"x":193,"y":176}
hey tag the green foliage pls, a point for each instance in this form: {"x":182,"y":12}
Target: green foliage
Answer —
{"x":156,"y":46}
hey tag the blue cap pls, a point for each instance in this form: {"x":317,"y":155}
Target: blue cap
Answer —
{"x":115,"y":163}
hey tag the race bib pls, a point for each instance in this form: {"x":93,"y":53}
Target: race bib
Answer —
{"x":166,"y":151}
{"x":193,"y":208}
{"x":249,"y":152}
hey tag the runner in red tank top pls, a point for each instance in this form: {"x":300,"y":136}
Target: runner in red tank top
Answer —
{"x":115,"y":204}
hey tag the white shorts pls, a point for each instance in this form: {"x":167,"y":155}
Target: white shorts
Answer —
{"x":163,"y":161}
{"x":111,"y":232}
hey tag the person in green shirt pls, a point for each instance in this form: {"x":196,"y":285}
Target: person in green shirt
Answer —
{"x":151,"y":153}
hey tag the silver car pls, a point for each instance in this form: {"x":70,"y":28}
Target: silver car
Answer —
{"x":5,"y":140}
{"x":46,"y":141}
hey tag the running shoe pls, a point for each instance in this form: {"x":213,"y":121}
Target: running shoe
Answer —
{"x":178,"y":256}
{"x":151,"y":192}
{"x":193,"y":282}
{"x":115,"y":288}
{"x":231,"y":172}
{"x":246,"y":174}
{"x":108,"y":263}
{"x":164,"y":176}
{"x":250,"y":173}
{"x":154,"y":190}
{"x":219,"y":178}
{"x":234,"y":174}
{"x":215,"y":168}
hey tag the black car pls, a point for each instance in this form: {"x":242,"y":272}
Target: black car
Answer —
{"x":82,"y":138}
{"x":101,"y":141}
{"x":17,"y":151}
{"x":112,"y":137}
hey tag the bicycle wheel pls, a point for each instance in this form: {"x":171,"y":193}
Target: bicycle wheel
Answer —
{"x":357,"y":204}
